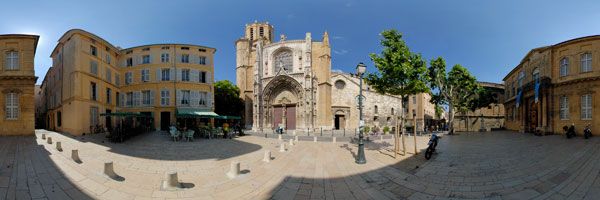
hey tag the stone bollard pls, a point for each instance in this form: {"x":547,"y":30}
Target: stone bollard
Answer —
{"x":75,"y":155}
{"x":58,"y":146}
{"x":296,"y":138}
{"x":234,"y":169}
{"x":43,"y":136}
{"x":315,"y":139}
{"x":381,"y":137}
{"x":171,"y":181}
{"x":280,"y":138}
{"x":49,"y":140}
{"x":109,"y":170}
{"x":334,"y":140}
{"x":294,"y":133}
{"x":291,"y":142}
{"x":282,"y":147}
{"x":267,"y":157}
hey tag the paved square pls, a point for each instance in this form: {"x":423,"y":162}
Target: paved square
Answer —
{"x":496,"y":165}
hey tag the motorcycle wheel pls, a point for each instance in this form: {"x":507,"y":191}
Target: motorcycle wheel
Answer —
{"x":428,"y":153}
{"x":586,"y":135}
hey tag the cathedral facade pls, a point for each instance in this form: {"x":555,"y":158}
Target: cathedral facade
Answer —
{"x":290,"y":82}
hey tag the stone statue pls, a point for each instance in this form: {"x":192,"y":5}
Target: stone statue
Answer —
{"x":283,"y":37}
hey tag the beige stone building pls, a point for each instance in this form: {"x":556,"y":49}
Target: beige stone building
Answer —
{"x":290,"y":82}
{"x":492,"y":116}
{"x":17,"y":84}
{"x":425,"y":111}
{"x":565,"y":78}
{"x":90,"y":76}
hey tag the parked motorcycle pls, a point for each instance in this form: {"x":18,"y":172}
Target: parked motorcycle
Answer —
{"x":587,"y":133}
{"x":570,"y":131}
{"x":433,"y":142}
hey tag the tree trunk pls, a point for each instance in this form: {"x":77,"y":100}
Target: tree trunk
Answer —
{"x":451,"y":120}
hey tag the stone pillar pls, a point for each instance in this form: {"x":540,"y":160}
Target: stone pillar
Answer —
{"x":334,"y":140}
{"x":58,"y":146}
{"x":284,"y":117}
{"x":291,"y":142}
{"x":109,"y":170}
{"x":267,"y":157}
{"x":234,"y":169}
{"x":171,"y":181}
{"x":315,"y":138}
{"x":280,"y":137}
{"x":282,"y":147}
{"x":75,"y":155}
{"x":43,"y":136}
{"x":49,"y":140}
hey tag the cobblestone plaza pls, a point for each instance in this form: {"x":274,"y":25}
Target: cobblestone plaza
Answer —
{"x":495,"y":165}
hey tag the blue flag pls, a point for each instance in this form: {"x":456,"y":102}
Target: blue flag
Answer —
{"x":537,"y":89}
{"x":518,"y":98}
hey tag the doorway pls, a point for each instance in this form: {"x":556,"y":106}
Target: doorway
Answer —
{"x":108,"y":121}
{"x":533,"y":117}
{"x":165,"y":120}
{"x":290,"y":117}
{"x":339,"y":122}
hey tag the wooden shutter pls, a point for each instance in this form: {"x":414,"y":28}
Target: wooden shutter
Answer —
{"x":208,"y":77}
{"x":151,"y":58}
{"x":122,"y":100}
{"x":137,"y":99}
{"x":172,"y":74}
{"x":152,"y":104}
{"x":209,"y":99}
{"x":158,"y":75}
{"x":178,"y":97}
{"x":194,"y":98}
{"x":123,"y":62}
{"x":178,"y":58}
{"x":178,"y":74}
{"x":194,"y":75}
{"x":140,"y":60}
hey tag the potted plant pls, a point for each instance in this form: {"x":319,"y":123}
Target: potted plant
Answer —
{"x":366,"y":130}
{"x":386,"y":130}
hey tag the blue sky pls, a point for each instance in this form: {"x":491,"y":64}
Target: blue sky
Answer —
{"x":488,"y":37}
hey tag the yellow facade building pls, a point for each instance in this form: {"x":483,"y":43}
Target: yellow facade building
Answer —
{"x":555,"y":86}
{"x":17,"y":82}
{"x":90,"y":76}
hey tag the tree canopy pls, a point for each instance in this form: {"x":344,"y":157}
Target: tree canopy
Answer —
{"x":227,"y":99}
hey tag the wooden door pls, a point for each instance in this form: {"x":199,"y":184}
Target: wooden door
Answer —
{"x":342,"y":122}
{"x":290,"y":115}
{"x":533,"y":117}
{"x":277,"y":115}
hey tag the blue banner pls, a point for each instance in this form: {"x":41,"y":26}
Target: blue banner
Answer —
{"x":537,"y":89}
{"x":518,"y":98}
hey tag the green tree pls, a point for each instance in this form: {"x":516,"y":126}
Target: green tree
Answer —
{"x":227,"y":99}
{"x":455,"y":88}
{"x":400,"y":72}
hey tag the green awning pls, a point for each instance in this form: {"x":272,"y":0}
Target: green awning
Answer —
{"x":121,"y":114}
{"x":228,"y":117}
{"x":195,"y":112}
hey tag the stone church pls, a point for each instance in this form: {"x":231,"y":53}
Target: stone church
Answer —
{"x":291,"y":82}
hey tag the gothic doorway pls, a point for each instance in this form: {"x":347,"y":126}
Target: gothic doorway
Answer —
{"x":282,"y":101}
{"x":339,"y":122}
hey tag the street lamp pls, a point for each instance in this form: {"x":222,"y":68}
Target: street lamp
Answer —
{"x":360,"y":159}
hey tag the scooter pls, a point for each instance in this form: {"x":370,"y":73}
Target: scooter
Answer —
{"x":587,"y":133}
{"x":433,"y":142}
{"x":570,"y":131}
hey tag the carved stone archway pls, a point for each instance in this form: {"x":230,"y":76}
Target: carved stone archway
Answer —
{"x":282,"y":94}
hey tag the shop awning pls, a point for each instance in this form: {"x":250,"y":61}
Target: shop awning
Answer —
{"x":122,"y":114}
{"x":195,"y":112}
{"x":228,"y":117}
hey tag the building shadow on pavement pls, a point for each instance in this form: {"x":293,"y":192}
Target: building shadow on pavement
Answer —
{"x":28,"y":172}
{"x":158,"y":145}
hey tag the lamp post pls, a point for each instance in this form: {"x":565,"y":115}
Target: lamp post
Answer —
{"x":415,"y":129}
{"x":360,"y":159}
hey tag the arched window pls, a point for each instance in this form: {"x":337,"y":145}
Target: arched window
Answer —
{"x":392,"y":111}
{"x":283,"y":61}
{"x":340,"y":84}
{"x":536,"y":75}
{"x":375,"y":109}
{"x":521,"y":77}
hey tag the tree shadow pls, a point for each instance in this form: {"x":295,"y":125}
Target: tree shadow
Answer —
{"x":158,"y":145}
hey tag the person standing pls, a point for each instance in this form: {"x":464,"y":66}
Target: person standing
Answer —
{"x":225,"y":129}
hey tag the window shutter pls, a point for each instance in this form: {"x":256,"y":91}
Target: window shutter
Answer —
{"x":140,"y":60}
{"x":207,"y":61}
{"x":172,"y":74}
{"x":151,"y":58}
{"x":194,"y":98}
{"x":141,"y":75}
{"x":152,"y":104}
{"x":209,"y":99}
{"x":122,"y":100}
{"x":91,"y":92}
{"x":123,"y":62}
{"x":158,"y":75}
{"x":178,"y":58}
{"x":178,"y":74}
{"x":137,"y":99}
{"x":178,"y":97}
{"x":208,"y":77}
{"x":194,"y":75}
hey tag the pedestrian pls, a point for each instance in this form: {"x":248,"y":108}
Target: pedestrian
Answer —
{"x":225,"y":129}
{"x":280,"y":129}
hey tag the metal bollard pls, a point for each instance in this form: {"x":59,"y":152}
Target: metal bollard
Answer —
{"x":171,"y":181}
{"x":344,"y":132}
{"x":321,"y":131}
{"x":267,"y":157}
{"x":58,"y":146}
{"x":234,"y":169}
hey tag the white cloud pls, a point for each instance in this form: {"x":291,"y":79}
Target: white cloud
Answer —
{"x":340,"y":52}
{"x":337,"y":70}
